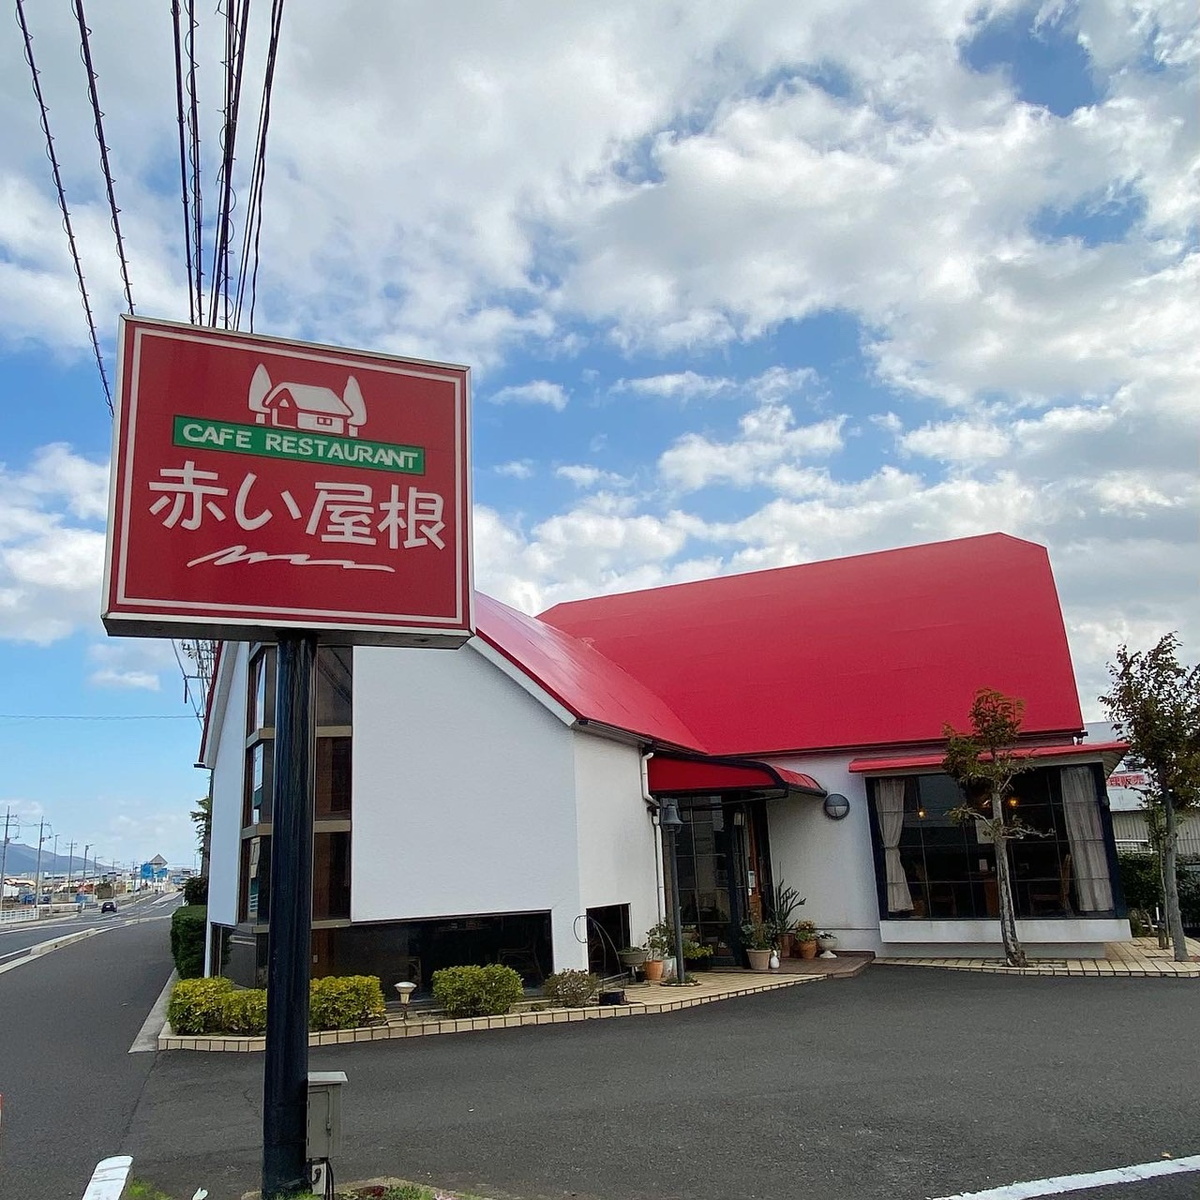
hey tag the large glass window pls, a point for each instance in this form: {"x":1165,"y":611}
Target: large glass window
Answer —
{"x":331,"y":815}
{"x":947,"y":870}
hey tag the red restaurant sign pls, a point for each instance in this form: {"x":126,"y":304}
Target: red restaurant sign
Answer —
{"x":259,"y":484}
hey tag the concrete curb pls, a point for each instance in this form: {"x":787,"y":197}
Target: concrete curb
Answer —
{"x":35,"y":952}
{"x":168,"y":1040}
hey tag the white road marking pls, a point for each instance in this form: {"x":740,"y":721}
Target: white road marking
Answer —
{"x":108,"y":1179}
{"x":1059,"y":1184}
{"x":147,"y":1038}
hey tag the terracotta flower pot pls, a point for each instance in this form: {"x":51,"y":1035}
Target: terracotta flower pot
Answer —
{"x":787,"y":946}
{"x":808,"y":949}
{"x":653,"y":970}
{"x":760,"y":960}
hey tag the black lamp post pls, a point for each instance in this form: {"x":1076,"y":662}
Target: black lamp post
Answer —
{"x":670,"y":822}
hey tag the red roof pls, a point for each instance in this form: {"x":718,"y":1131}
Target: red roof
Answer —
{"x":1105,"y":751}
{"x":876,"y":649}
{"x":581,"y":679}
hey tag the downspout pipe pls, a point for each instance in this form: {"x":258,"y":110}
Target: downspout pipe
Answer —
{"x":660,"y":883}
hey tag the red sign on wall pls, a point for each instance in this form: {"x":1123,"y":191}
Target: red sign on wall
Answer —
{"x":259,"y":484}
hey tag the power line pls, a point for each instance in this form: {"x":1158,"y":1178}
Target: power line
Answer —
{"x":183,"y":160}
{"x":98,"y":117}
{"x":194,"y":152}
{"x":254,"y":206}
{"x":62,"y":200}
{"x":95,"y":717}
{"x":236,"y":20}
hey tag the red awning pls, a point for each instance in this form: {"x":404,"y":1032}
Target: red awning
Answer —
{"x":1107,"y":752}
{"x":669,"y":776}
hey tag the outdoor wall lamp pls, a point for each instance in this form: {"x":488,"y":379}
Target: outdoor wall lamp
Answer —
{"x":836,"y":806}
{"x":405,"y":991}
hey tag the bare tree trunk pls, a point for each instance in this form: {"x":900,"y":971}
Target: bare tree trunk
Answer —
{"x":1014,"y":953}
{"x":1171,"y":882}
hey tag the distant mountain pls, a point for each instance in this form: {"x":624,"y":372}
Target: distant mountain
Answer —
{"x":22,"y":860}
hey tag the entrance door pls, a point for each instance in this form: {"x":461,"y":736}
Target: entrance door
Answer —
{"x":722,"y":851}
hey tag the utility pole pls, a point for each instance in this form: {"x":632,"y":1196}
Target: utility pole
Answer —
{"x":70,"y":863}
{"x":54,"y":868}
{"x":8,"y":820}
{"x":43,"y":837}
{"x":83,"y":882}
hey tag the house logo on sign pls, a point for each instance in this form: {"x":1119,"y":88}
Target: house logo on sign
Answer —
{"x":304,"y":407}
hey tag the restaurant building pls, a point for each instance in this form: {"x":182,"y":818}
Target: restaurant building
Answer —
{"x":500,"y":803}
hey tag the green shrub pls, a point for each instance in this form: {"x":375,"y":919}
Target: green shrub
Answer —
{"x":197,"y":1005}
{"x":195,"y":890}
{"x":188,"y":925}
{"x":244,"y":1013}
{"x":477,"y":991}
{"x":344,"y":1002}
{"x":1140,"y":883}
{"x":571,"y":989}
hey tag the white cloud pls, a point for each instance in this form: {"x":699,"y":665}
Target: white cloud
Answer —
{"x":583,"y":476}
{"x":50,"y":564}
{"x":767,"y":442}
{"x":134,"y":663}
{"x":681,"y":385}
{"x":540,"y":391}
{"x":518,"y":468}
{"x":957,"y":441}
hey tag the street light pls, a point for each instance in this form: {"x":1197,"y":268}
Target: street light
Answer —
{"x":670,"y":822}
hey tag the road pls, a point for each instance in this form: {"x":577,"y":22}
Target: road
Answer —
{"x":70,"y":1087}
{"x":18,"y":937}
{"x":892,"y":1086}
{"x":899,"y":1085}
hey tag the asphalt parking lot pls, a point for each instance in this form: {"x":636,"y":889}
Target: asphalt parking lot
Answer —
{"x":901,"y":1083}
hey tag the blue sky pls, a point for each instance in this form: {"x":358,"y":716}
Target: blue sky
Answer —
{"x":741,"y":284}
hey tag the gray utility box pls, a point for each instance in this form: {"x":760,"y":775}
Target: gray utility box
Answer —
{"x":325,"y":1113}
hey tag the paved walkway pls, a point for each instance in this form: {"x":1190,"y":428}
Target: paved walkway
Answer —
{"x":1138,"y":958}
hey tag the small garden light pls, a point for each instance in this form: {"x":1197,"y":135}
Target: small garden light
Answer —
{"x":405,"y":991}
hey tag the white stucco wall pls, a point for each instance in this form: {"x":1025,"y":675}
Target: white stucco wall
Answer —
{"x":828,"y":862}
{"x":463,"y":795}
{"x":617,"y":854}
{"x":228,"y":772}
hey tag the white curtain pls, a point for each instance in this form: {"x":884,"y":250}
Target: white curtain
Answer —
{"x":1086,"y":836}
{"x":889,"y":804}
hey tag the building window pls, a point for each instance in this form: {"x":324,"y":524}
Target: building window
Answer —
{"x":931,"y":867}
{"x":332,"y":771}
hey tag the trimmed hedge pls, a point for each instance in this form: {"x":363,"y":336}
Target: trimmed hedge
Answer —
{"x":195,"y":889}
{"x":188,"y":925}
{"x":206,"y":1006}
{"x":245,"y":1012}
{"x":571,"y":989}
{"x":197,"y":1006}
{"x":477,"y":991}
{"x":344,"y":1002}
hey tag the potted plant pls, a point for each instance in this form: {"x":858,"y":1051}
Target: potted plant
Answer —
{"x":827,"y":942}
{"x":659,"y":942}
{"x":782,"y":902}
{"x":696,"y":956}
{"x":632,"y":956}
{"x":805,"y":933}
{"x":758,"y":937}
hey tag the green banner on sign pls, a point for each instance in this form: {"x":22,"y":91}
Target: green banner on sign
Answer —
{"x":297,"y":444}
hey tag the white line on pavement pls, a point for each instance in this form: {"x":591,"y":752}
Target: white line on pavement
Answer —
{"x":108,"y":1179}
{"x":1059,"y":1184}
{"x":147,"y":1038}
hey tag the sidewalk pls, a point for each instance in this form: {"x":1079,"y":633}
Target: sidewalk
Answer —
{"x":1140,"y":958}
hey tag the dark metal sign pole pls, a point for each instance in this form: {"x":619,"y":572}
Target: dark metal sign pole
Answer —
{"x":285,"y":1070}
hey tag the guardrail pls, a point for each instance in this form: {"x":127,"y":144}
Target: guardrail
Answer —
{"x":14,"y":916}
